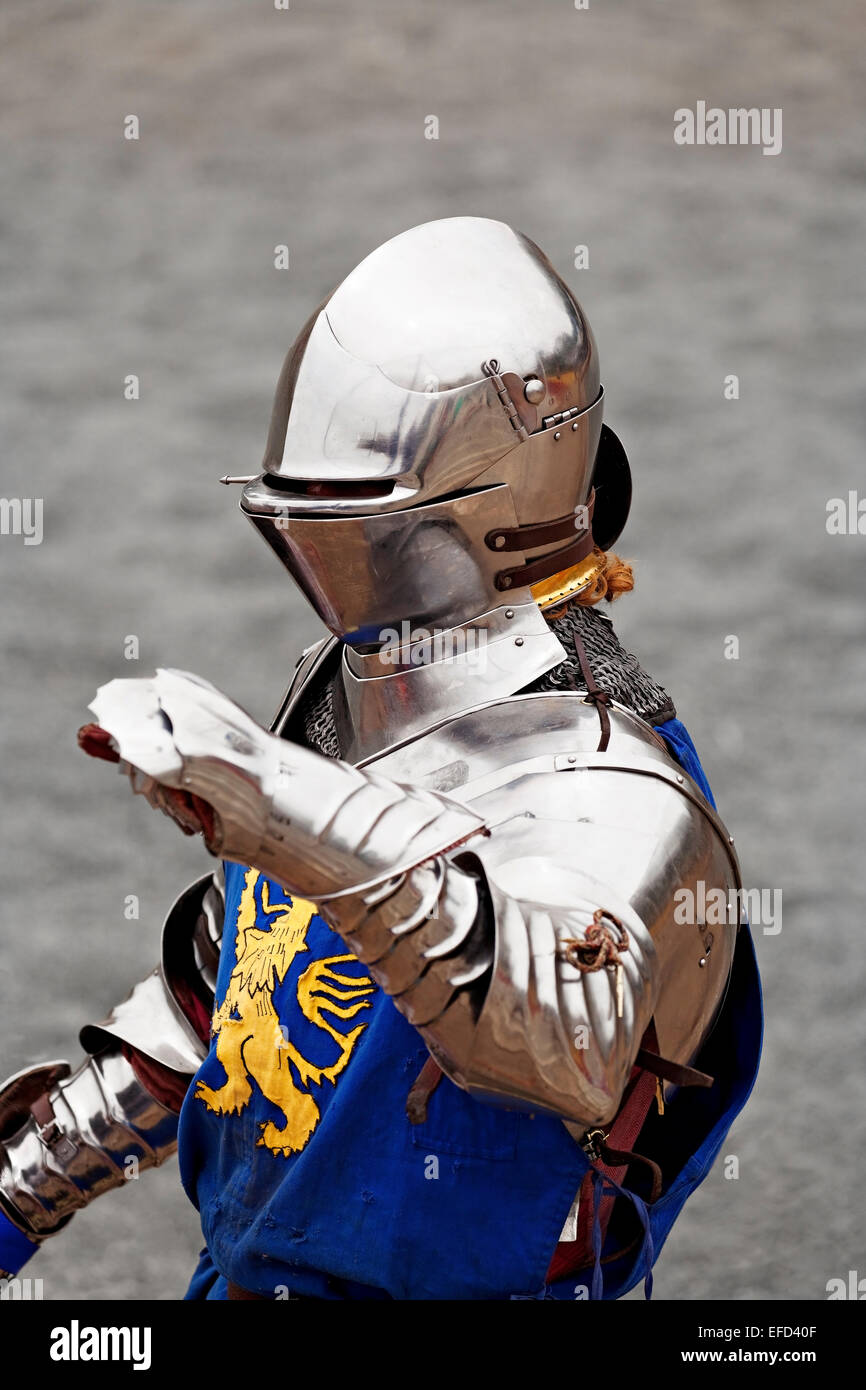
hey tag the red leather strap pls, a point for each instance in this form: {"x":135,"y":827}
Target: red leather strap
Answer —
{"x":422,"y":1089}
{"x":573,"y":1255}
{"x":672,"y":1071}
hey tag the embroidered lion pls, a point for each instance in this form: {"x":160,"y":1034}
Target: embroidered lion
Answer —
{"x":252,"y":1044}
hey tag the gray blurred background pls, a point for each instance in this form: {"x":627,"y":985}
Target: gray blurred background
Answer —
{"x":156,"y":257}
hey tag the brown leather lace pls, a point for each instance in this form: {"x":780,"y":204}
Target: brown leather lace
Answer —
{"x":594,"y":693}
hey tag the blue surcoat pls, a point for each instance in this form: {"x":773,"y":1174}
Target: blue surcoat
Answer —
{"x":296,"y":1148}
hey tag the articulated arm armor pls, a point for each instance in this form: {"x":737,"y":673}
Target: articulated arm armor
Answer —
{"x":511,"y":887}
{"x":66,"y":1137}
{"x":533,"y":961}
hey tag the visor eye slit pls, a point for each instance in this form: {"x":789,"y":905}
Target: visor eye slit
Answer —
{"x":342,"y":490}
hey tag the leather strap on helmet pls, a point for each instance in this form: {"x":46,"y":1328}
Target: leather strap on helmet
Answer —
{"x":541,"y":532}
{"x":511,"y":538}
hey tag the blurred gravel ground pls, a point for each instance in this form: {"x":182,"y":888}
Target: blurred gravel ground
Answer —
{"x":307,"y":127}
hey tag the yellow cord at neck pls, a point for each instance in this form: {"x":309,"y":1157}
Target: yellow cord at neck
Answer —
{"x":569,"y":582}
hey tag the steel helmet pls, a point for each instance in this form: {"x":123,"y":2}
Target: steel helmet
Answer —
{"x":436,"y":446}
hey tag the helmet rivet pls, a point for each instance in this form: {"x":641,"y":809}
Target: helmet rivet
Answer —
{"x":509,"y":612}
{"x":518,"y":641}
{"x":702,"y":962}
{"x":534,"y":391}
{"x":557,"y":434}
{"x":679,"y":777}
{"x":574,"y":426}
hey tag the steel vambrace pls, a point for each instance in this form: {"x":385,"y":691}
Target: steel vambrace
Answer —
{"x":66,"y":1137}
{"x":317,"y":825}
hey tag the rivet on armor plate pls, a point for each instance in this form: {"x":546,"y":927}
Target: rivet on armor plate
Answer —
{"x":509,"y":612}
{"x":575,"y":425}
{"x":518,"y":641}
{"x":679,"y":777}
{"x":534,"y":391}
{"x":557,"y":435}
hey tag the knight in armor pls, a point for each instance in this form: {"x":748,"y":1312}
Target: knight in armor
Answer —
{"x":438,"y":1025}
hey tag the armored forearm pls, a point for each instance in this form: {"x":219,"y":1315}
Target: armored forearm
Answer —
{"x":66,"y":1137}
{"x":317,"y":825}
{"x":524,"y":1002}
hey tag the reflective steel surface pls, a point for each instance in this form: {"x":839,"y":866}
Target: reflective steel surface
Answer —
{"x":453,"y":359}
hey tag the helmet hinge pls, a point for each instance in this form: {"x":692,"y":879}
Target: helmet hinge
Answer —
{"x":491,"y":369}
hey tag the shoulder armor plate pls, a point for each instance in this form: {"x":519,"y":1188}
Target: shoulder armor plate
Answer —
{"x":559,"y":812}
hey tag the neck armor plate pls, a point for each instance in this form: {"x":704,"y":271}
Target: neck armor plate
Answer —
{"x":376,"y":712}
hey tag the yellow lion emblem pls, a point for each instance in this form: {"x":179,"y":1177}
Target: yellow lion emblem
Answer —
{"x":250,"y":1041}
